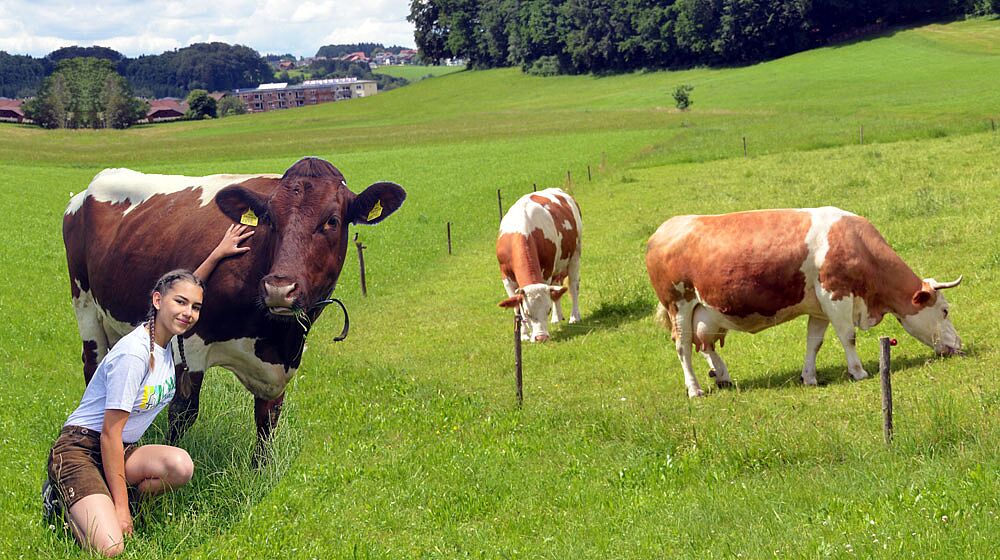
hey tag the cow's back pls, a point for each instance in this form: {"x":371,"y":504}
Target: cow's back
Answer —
{"x":128,"y":228}
{"x":549,"y":224}
{"x":741,"y":264}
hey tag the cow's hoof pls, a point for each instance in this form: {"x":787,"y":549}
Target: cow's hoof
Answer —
{"x":573,"y":320}
{"x":808,"y":382}
{"x":723,"y":384}
{"x":711,"y":373}
{"x":696,"y":394}
{"x":859,"y":377}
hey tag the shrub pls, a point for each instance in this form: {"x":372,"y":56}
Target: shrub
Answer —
{"x":682,"y":96}
{"x":545,"y":66}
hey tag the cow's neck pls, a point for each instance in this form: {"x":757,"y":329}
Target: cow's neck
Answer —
{"x":895,"y":283}
{"x":524,"y":255}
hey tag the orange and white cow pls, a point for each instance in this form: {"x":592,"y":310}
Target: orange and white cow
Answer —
{"x":748,"y":271}
{"x":539,"y":247}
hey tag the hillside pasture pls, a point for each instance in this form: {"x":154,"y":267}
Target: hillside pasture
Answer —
{"x":405,"y":440}
{"x":417,"y":72}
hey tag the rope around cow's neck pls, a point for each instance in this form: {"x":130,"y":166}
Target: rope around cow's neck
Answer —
{"x":303,"y":318}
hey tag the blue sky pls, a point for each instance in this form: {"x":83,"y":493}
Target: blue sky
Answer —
{"x":37,"y":27}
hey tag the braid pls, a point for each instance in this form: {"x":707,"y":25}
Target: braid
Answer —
{"x":180,"y":348}
{"x":162,"y":285}
{"x":151,"y":327}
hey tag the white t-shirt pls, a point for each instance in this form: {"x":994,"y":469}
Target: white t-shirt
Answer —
{"x":123,"y":382}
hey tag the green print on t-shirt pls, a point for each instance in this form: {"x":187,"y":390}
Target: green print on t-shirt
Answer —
{"x":154,"y":395}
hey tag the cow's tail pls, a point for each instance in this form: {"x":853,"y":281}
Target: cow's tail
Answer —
{"x":662,"y":317}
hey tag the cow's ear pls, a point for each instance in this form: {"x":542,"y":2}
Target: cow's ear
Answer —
{"x":376,"y":203}
{"x":921,"y":297}
{"x":235,"y":201}
{"x":557,"y":291}
{"x":512,"y":301}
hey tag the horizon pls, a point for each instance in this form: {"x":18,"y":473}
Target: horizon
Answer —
{"x":262,"y":54}
{"x":152,"y":27}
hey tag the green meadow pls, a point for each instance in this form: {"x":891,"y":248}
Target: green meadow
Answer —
{"x":405,"y":441}
{"x":416,"y":72}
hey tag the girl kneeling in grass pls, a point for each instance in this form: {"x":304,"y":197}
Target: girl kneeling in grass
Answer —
{"x":95,"y":463}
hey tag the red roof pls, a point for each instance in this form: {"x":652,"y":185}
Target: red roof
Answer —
{"x":13,"y":105}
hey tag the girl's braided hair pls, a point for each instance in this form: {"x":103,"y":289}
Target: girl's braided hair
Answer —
{"x":162,"y":285}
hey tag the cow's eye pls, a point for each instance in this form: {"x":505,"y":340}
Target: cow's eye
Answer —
{"x":945,"y":312}
{"x":332,"y":223}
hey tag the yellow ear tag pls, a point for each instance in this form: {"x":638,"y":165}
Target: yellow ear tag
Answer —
{"x":248,"y":218}
{"x":376,"y":211}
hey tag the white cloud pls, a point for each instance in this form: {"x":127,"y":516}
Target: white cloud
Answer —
{"x":37,"y":27}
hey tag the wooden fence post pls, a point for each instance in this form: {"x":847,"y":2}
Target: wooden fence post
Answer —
{"x":861,"y":133}
{"x":744,"y":146}
{"x":449,"y":238}
{"x":361,"y":264}
{"x":883,"y":371}
{"x":518,"y":386}
{"x":500,"y":204}
{"x":589,"y":177}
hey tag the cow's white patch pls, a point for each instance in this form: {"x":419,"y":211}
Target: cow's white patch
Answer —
{"x":263,"y":379}
{"x":817,"y":240}
{"x":680,"y":287}
{"x":567,"y":226}
{"x":125,"y":185}
{"x":88,"y":321}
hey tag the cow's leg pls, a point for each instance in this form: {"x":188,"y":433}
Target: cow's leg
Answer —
{"x":707,"y":332}
{"x":814,"y":340}
{"x":841,"y":316}
{"x":719,"y":370}
{"x":265,"y":413}
{"x":95,"y":340}
{"x":183,"y":410}
{"x":683,"y":335}
{"x":574,"y":287}
{"x":557,"y":314}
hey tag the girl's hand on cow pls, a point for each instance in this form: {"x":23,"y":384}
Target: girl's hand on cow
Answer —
{"x":230,"y":244}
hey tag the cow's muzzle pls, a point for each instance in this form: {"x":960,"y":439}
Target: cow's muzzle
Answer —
{"x":279,"y":295}
{"x":950,"y":351}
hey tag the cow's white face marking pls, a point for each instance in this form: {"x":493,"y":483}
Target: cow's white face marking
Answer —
{"x":536,"y":307}
{"x":124,"y":185}
{"x":932,"y":326}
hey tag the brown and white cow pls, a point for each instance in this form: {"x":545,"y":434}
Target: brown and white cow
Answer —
{"x":539,"y":247}
{"x":748,"y":271}
{"x":128,"y":228}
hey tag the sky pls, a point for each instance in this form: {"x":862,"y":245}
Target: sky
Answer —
{"x":38,"y":27}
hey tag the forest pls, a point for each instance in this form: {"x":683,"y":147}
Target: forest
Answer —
{"x":603,"y":36}
{"x":210,"y":66}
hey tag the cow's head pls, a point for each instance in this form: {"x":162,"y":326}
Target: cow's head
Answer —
{"x":930,"y":324}
{"x":306,"y":217}
{"x":535,"y":302}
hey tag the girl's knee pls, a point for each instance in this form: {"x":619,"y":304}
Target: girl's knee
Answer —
{"x":180,"y":468}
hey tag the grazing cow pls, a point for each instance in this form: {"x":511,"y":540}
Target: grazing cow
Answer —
{"x":128,"y":228}
{"x":752,"y":270}
{"x":538,"y":247}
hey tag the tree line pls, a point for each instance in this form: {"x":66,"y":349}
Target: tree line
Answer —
{"x":210,"y":66}
{"x":370,"y":49}
{"x":580,"y":36}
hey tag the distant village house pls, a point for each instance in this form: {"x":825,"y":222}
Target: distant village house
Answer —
{"x":11,"y":111}
{"x":268,"y":97}
{"x":166,"y":109}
